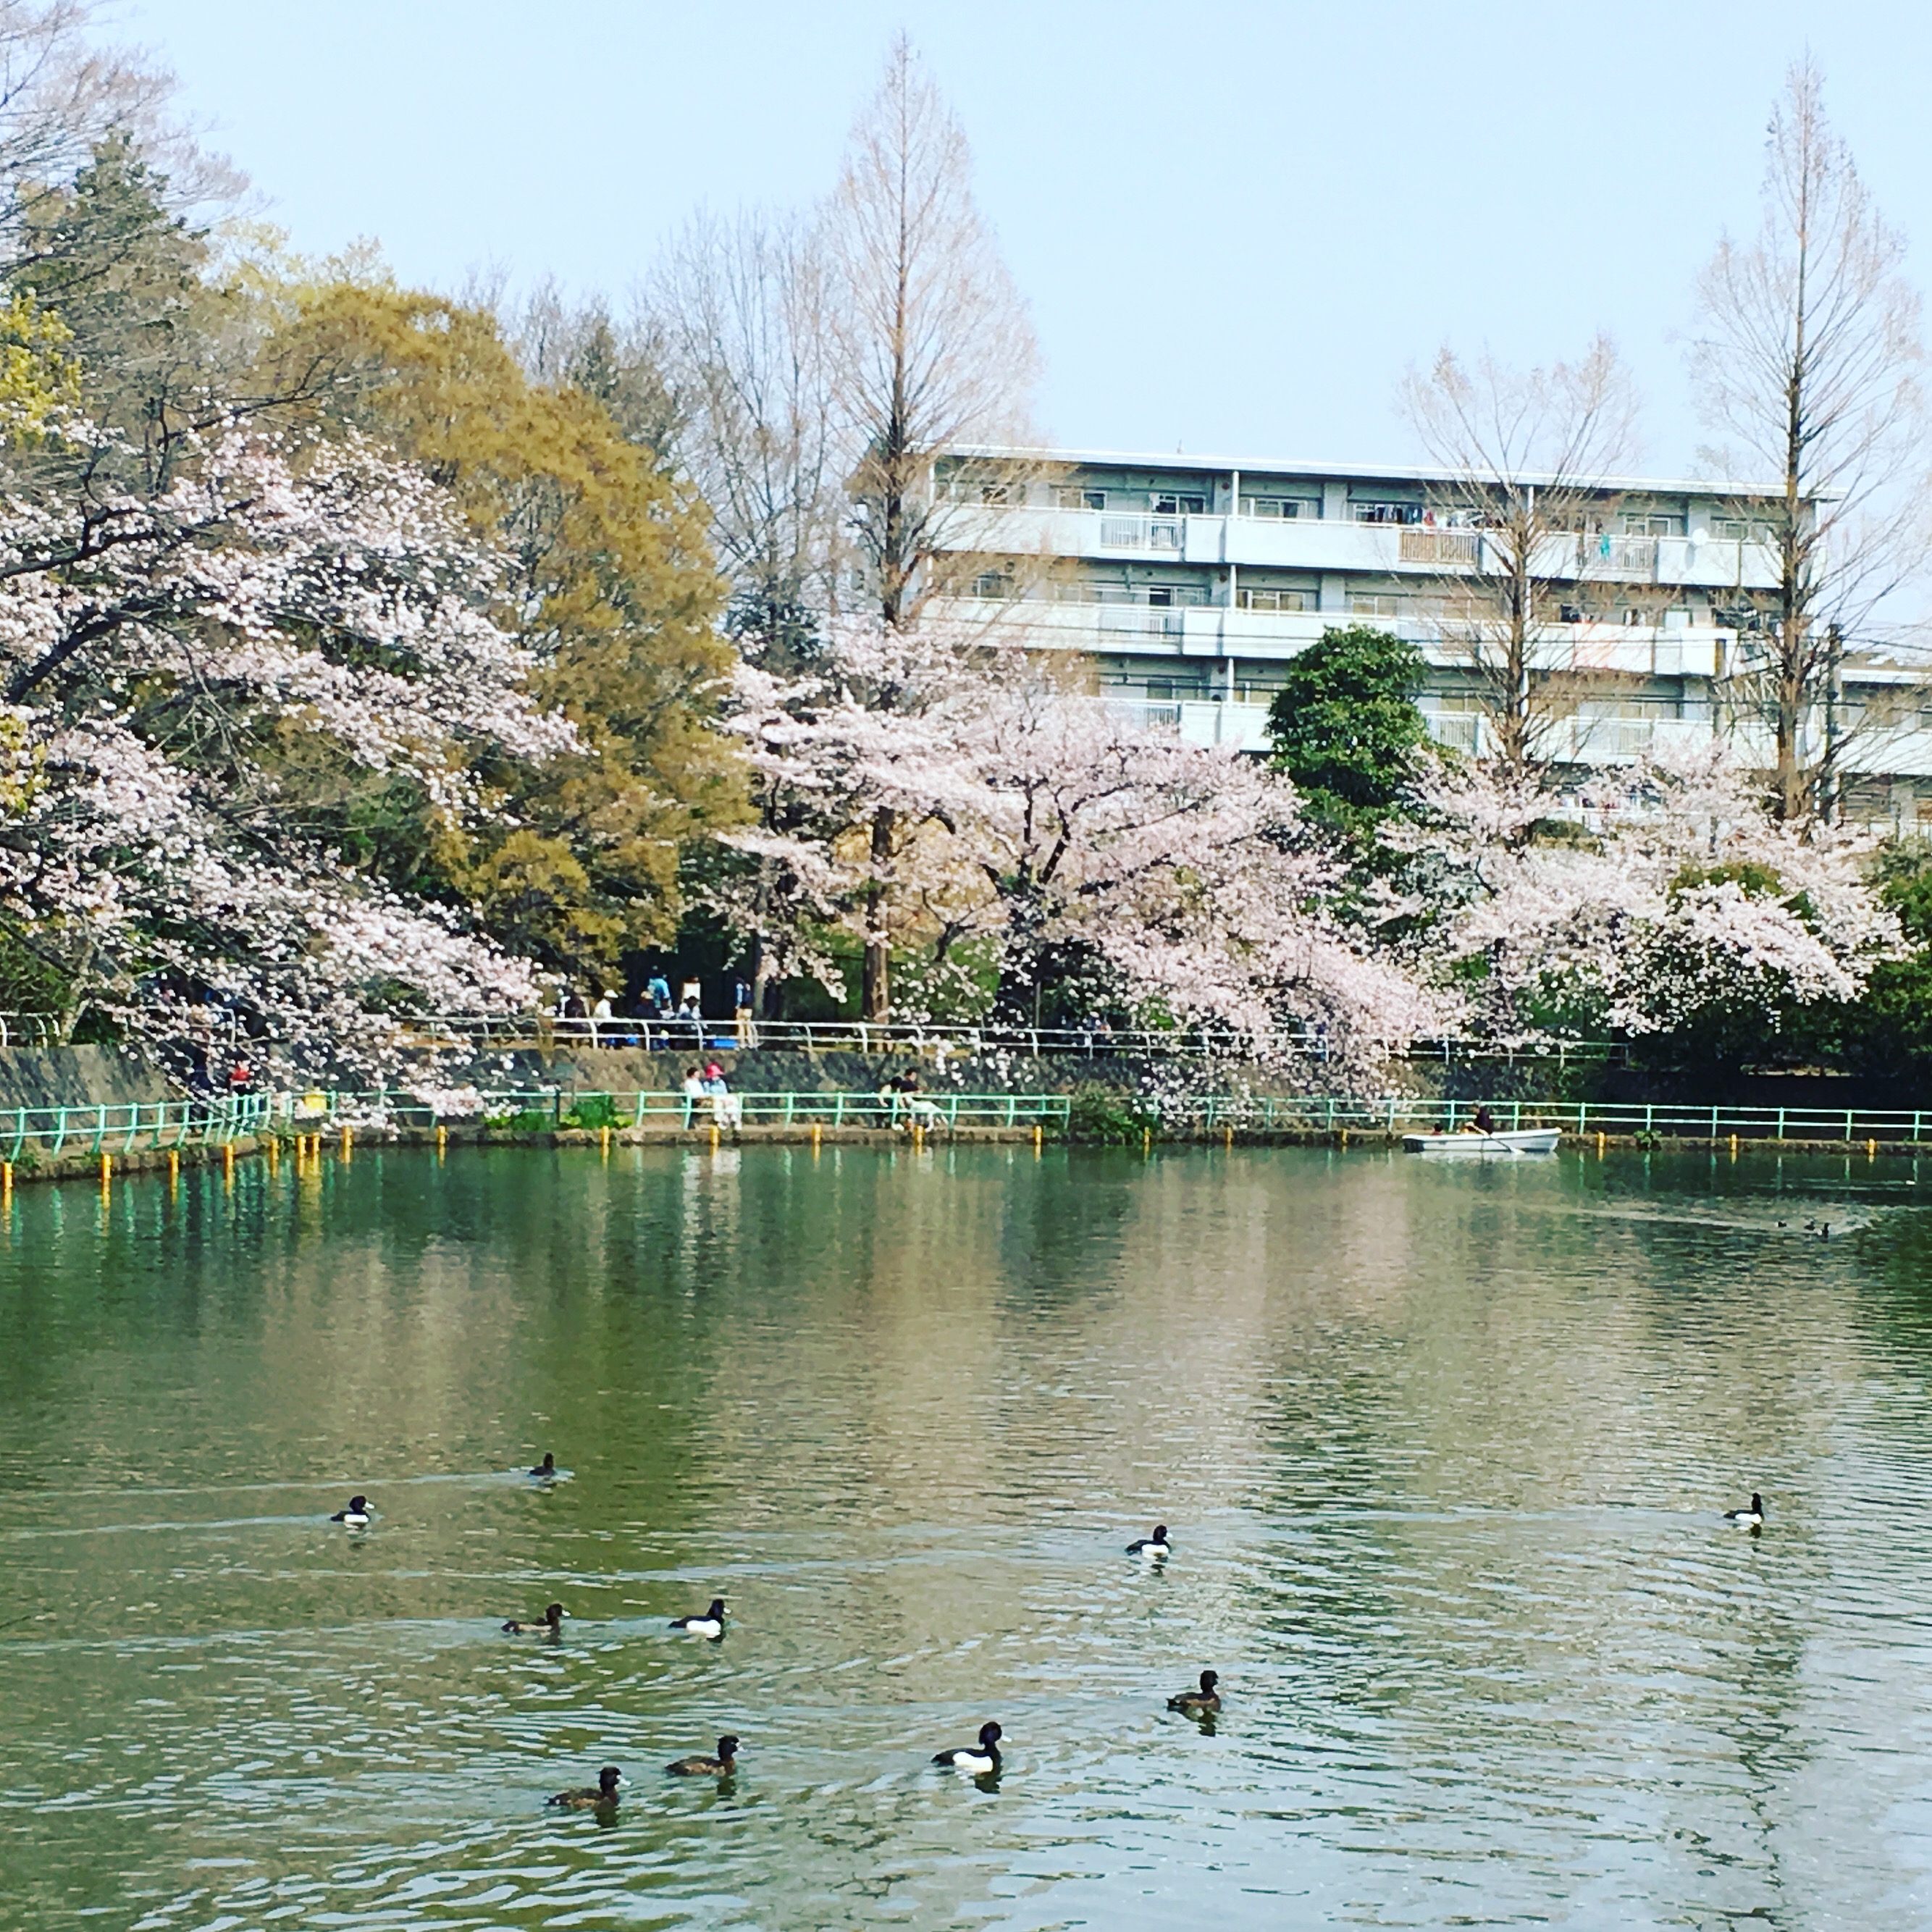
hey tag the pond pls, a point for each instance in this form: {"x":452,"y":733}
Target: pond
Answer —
{"x":1442,"y":1447}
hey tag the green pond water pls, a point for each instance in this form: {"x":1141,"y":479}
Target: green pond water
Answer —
{"x":1442,"y":1447}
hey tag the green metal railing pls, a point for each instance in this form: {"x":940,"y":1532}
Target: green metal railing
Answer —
{"x":123,"y":1128}
{"x":1211,"y":1114}
{"x":1207,"y":1114}
{"x":562,"y":1108}
{"x":157,"y":1125}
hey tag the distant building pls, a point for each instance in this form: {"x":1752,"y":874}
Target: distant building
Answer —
{"x":1188,"y":583}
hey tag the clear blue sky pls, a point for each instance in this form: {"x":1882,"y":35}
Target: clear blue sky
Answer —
{"x":1236,"y":224}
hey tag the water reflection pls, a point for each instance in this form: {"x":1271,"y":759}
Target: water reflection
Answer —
{"x":1442,"y":1453}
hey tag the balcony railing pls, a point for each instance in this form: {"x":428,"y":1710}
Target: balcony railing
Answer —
{"x":1460,"y":546}
{"x":1149,"y":533}
{"x":1343,"y":543}
{"x":1579,"y":739}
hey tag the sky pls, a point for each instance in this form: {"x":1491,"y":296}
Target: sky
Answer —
{"x":1236,"y":225}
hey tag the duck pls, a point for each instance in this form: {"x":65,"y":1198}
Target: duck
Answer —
{"x":1197,"y":1702}
{"x":1751,"y":1518}
{"x":704,"y":1623}
{"x":1156,"y":1545}
{"x":982,"y":1762}
{"x":545,"y":1471}
{"x":550,"y":1625}
{"x":698,"y":1766}
{"x":357,"y":1516}
{"x":586,"y":1797}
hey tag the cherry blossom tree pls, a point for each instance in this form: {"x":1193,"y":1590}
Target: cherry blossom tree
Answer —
{"x":176,"y":669}
{"x":1672,"y":900}
{"x":1044,"y":836}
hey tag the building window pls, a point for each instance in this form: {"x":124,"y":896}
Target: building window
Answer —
{"x":1168,"y":596}
{"x":1277,"y":507}
{"x":1366,"y":512}
{"x":1271,"y":599}
{"x":1740,"y":529}
{"x":1375,"y":604}
{"x":1174,"y":503}
{"x":1650,"y":523}
{"x":1000,"y":493}
{"x":993,"y":583}
{"x":1078,"y":496}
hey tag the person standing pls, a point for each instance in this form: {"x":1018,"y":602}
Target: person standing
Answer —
{"x":741,"y":1010}
{"x":600,"y":1016}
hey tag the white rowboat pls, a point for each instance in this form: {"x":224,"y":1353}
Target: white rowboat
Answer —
{"x":1521,"y":1140}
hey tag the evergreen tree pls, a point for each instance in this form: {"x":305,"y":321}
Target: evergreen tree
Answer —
{"x":1346,"y":728}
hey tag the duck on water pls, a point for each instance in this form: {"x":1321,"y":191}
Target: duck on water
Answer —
{"x":722,"y":1765}
{"x":551,"y":1624}
{"x":980,"y":1761}
{"x":586,"y":1797}
{"x":703,"y":1623}
{"x":1197,"y":1703}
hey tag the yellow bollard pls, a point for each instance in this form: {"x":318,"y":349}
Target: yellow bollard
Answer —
{"x":1147,"y":1140}
{"x":274,"y":1153}
{"x":1039,"y":1136}
{"x":1227,"y":1138}
{"x":918,"y":1134}
{"x":228,"y":1156}
{"x":6,"y":1182}
{"x":1345,"y":1137}
{"x":1600,"y":1147}
{"x":106,"y":1170}
{"x":817,"y":1130}
{"x":714,"y":1140}
{"x":1734,"y":1146}
{"x":345,"y":1144}
{"x":174,"y":1167}
{"x":441,"y":1141}
{"x":1871,"y":1150}
{"x":604,"y":1137}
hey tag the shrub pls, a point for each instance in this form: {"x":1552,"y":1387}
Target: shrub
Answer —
{"x":1100,"y":1114}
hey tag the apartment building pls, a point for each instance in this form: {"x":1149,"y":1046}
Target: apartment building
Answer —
{"x":1185,"y":584}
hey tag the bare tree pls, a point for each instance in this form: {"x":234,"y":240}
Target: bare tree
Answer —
{"x":1532,"y":457}
{"x":930,"y":350}
{"x":1807,"y":361}
{"x":577,"y":346}
{"x":62,"y":92}
{"x":739,"y":307}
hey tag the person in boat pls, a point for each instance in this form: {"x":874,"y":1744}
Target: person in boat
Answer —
{"x":1484,"y":1123}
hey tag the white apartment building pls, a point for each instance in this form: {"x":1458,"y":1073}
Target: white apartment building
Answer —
{"x":1188,"y":583}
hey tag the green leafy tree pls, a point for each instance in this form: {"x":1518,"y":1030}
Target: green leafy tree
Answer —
{"x":1889,"y":1031}
{"x":614,"y":591}
{"x":1346,"y":727}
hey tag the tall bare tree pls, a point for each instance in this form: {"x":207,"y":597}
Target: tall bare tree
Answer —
{"x":1807,"y":361}
{"x":739,"y":306}
{"x":1532,"y":457}
{"x":931,"y":348}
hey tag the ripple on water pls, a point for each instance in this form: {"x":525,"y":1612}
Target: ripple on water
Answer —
{"x":1443,"y":1454}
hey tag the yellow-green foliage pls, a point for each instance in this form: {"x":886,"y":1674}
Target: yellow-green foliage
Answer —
{"x":615,"y":591}
{"x":40,"y":382}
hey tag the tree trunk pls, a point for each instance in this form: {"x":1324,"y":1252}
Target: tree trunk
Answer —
{"x":875,"y":991}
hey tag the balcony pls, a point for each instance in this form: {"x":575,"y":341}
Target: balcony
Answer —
{"x":1315,"y":543}
{"x":1579,"y":740}
{"x":1214,"y":630}
{"x":1195,"y":721}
